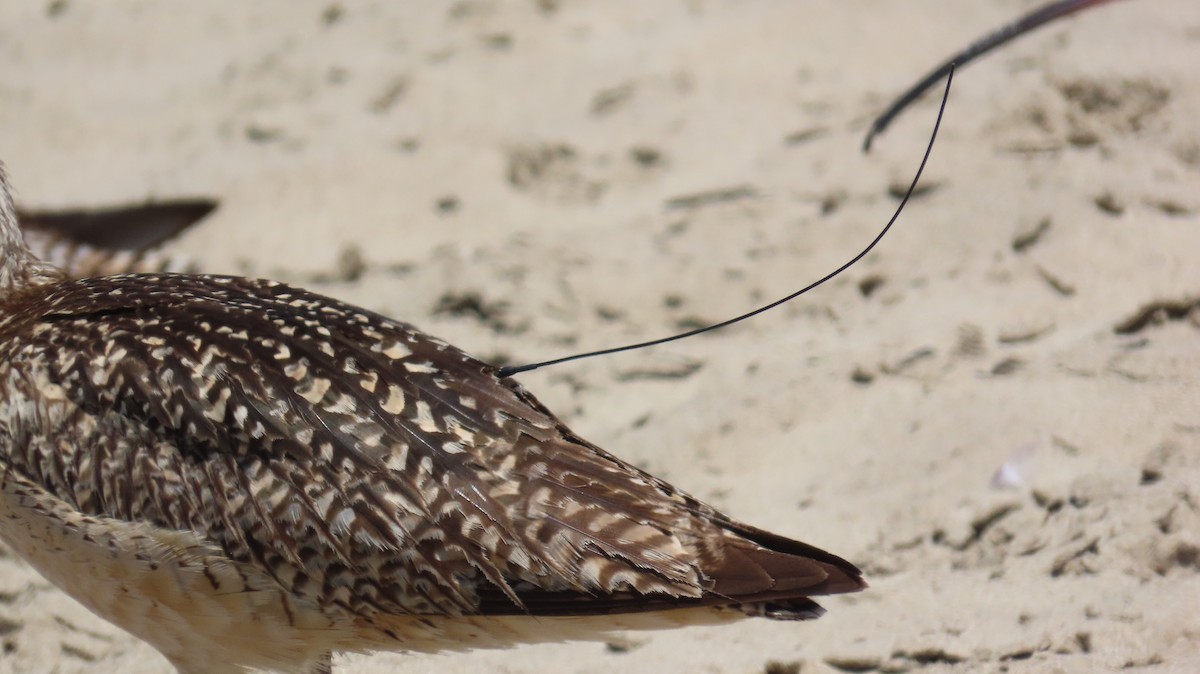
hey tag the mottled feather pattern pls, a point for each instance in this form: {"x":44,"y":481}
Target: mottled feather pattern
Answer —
{"x":365,"y":465}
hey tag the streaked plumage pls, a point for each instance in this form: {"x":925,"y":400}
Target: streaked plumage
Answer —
{"x":246,"y":474}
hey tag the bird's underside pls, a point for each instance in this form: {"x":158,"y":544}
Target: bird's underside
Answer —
{"x":247,"y":474}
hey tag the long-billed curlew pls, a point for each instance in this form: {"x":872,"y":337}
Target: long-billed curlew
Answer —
{"x":249,"y":475}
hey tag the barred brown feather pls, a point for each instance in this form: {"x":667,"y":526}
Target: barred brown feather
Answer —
{"x":80,"y":260}
{"x":277,"y":475}
{"x":115,"y":240}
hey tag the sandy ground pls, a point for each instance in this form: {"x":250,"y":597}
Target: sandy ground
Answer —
{"x":530,"y":179}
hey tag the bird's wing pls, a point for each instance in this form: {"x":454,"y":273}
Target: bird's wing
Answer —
{"x":122,"y":239}
{"x":362,"y":463}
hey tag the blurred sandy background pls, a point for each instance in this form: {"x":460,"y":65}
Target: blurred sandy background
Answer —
{"x":528,"y":179}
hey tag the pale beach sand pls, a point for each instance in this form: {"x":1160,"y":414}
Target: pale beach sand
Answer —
{"x":515,"y":178}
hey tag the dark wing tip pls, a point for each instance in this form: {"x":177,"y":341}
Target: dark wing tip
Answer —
{"x":841,"y":575}
{"x":770,"y":576}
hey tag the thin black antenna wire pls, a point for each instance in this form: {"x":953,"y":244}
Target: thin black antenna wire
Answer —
{"x":1034,"y":19}
{"x":509,"y":370}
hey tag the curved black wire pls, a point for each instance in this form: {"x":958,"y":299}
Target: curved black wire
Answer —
{"x":1037,"y":17}
{"x":509,"y":371}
